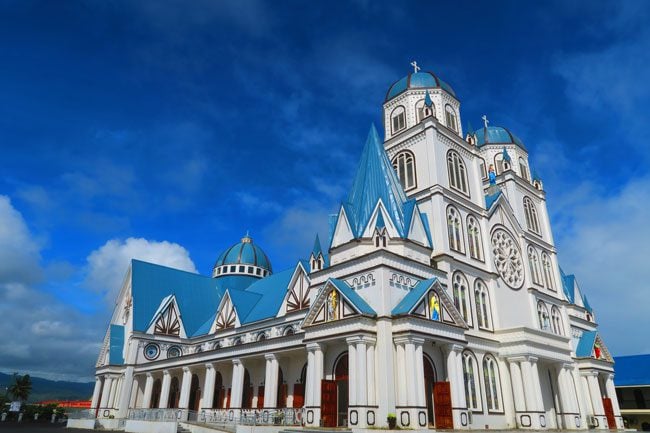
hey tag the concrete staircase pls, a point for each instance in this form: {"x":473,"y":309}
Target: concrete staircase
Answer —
{"x":181,"y":429}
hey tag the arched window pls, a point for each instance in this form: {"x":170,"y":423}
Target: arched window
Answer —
{"x":454,"y":229}
{"x":404,"y":165}
{"x":548,"y":272}
{"x":482,"y":303}
{"x":556,"y":320}
{"x":461,"y":296}
{"x":531,"y":215}
{"x":470,"y":375}
{"x":380,"y":238}
{"x":542,"y":316}
{"x":500,"y":164}
{"x":523,"y":168}
{"x":422,"y":111}
{"x":474,"y":238}
{"x":457,"y":172}
{"x":492,"y":383}
{"x":398,"y":119}
{"x":450,"y":117}
{"x":533,"y":261}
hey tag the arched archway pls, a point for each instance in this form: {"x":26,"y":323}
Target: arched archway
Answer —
{"x":195,"y":394}
{"x":429,"y":382}
{"x":299,"y":388}
{"x":341,"y":375}
{"x":155,"y":394}
{"x":247,"y":391}
{"x":281,"y":397}
{"x":174,"y":394}
{"x":217,"y":399}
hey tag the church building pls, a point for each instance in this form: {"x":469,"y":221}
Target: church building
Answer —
{"x":437,"y":298}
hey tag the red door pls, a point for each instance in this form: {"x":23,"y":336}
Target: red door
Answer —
{"x":442,"y":405}
{"x":609,"y":412}
{"x":328,"y":403}
{"x":298,"y":395}
{"x":260,"y":396}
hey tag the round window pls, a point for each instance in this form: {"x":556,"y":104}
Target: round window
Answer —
{"x":151,"y":351}
{"x":173,"y":352}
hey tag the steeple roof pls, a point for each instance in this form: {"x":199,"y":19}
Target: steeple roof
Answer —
{"x":317,"y":248}
{"x":375,"y":180}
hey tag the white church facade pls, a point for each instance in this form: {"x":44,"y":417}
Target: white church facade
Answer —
{"x":437,"y":297}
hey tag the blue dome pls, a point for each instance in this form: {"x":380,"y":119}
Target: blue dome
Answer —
{"x":243,"y":258}
{"x":419,"y":80}
{"x":496,"y":135}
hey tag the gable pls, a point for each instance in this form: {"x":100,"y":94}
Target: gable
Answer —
{"x":428,"y":300}
{"x":417,"y":231}
{"x":226,"y":315}
{"x":167,"y":319}
{"x":335,"y":301}
{"x":342,"y":230}
{"x":502,"y":213}
{"x":380,"y":214}
{"x":298,"y":292}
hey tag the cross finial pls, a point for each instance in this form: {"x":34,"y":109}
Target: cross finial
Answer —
{"x":416,"y":68}
{"x":485,"y":121}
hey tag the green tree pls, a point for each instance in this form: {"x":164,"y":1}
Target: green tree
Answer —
{"x":21,"y":387}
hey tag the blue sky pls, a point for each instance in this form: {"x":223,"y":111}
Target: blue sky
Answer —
{"x":167,"y":129}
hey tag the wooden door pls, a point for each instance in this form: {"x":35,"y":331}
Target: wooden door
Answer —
{"x":260,"y":396}
{"x":298,"y":395}
{"x":609,"y":412}
{"x":328,"y":403}
{"x":282,"y":395}
{"x":442,"y":405}
{"x":228,"y":398}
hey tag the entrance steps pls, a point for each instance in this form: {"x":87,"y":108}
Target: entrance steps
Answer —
{"x":181,"y":429}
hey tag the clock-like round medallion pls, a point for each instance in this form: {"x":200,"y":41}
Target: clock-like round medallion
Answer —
{"x":507,"y":258}
{"x":151,"y":351}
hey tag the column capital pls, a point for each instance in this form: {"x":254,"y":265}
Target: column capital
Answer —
{"x":186,"y":369}
{"x":455,"y":347}
{"x":314,"y":346}
{"x":566,"y":366}
{"x":588,"y":373}
{"x":148,"y":374}
{"x":236,"y":361}
{"x":532,"y":359}
{"x":270,"y":356}
{"x":209,"y":366}
{"x":353,"y":340}
{"x":609,"y":376}
{"x":166,"y":372}
{"x":409,"y":339}
{"x":515,"y":359}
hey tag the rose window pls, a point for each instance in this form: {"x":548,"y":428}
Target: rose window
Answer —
{"x":507,"y":259}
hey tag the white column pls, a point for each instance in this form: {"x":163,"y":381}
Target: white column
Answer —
{"x":411,"y":392}
{"x":361,"y":373}
{"x":106,"y":391}
{"x":96,"y":392}
{"x":611,"y":393}
{"x":419,"y":374}
{"x":237,"y":384}
{"x":596,"y":396}
{"x":111,"y":396}
{"x":372,"y":394}
{"x":319,"y":372}
{"x":148,"y":389}
{"x":271,"y":381}
{"x":208,"y":386}
{"x":309,"y":386}
{"x":352,"y":371}
{"x":125,"y":393}
{"x":517,"y":385}
{"x":164,"y":390}
{"x":537,"y":383}
{"x":563,"y":391}
{"x":460,"y":377}
{"x":184,"y":400}
{"x":452,"y":376}
{"x":401,"y":375}
{"x":135,"y":390}
{"x":587,"y":392}
{"x":529,"y":386}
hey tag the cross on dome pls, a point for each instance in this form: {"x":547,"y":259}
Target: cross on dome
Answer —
{"x":416,"y":68}
{"x":485,"y":121}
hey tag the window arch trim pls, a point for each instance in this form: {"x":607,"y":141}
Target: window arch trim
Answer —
{"x":396,"y":127}
{"x":455,"y":235}
{"x":457,"y":173}
{"x":498,"y":389}
{"x":477,"y":407}
{"x":402,"y":162}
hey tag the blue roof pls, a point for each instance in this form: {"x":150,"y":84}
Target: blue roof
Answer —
{"x":246,"y":253}
{"x":586,"y":344}
{"x":271,"y":291}
{"x":586,"y":304}
{"x":413,"y":297}
{"x":418,"y":80}
{"x":496,"y":135}
{"x":632,"y":370}
{"x":357,"y":301}
{"x":197,"y":296}
{"x":491,"y":198}
{"x":317,"y":248}
{"x":376,"y":180}
{"x":568,"y":285}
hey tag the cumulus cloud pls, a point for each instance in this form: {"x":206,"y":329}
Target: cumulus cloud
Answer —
{"x":19,"y":251}
{"x":107,"y":265}
{"x":607,"y":247}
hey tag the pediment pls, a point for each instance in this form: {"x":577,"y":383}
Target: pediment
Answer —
{"x":167,"y":319}
{"x":227,"y":316}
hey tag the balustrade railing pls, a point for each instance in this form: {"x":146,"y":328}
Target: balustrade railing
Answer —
{"x":226,"y":419}
{"x":81,"y":414}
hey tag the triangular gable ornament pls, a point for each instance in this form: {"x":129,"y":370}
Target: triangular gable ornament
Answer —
{"x":227,"y":316}
{"x":330,"y":305}
{"x":436,"y":305}
{"x":167,"y":319}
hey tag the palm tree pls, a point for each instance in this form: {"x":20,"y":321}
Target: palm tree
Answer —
{"x":21,"y":387}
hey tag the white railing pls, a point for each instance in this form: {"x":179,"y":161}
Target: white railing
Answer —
{"x":81,"y":414}
{"x":157,"y":414}
{"x":232,"y":417}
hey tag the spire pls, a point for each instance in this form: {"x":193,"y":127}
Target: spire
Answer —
{"x":375,"y":180}
{"x":247,"y":239}
{"x":427,"y":100}
{"x":506,"y":155}
{"x":317,"y":248}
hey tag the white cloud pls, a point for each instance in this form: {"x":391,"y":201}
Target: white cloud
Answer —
{"x":607,"y":246}
{"x":19,"y":251}
{"x":107,"y":265}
